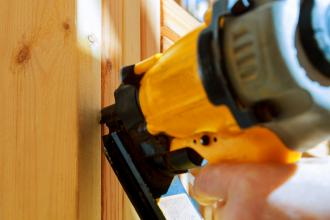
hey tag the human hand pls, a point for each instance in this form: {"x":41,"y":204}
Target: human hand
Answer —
{"x":266,"y":191}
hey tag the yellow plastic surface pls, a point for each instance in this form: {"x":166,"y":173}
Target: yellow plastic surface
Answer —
{"x":256,"y":144}
{"x":172,"y":97}
{"x":146,"y":64}
{"x":174,"y":102}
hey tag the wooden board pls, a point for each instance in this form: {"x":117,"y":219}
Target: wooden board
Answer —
{"x":175,"y":22}
{"x":150,"y":27}
{"x":121,"y":46}
{"x":50,"y":102}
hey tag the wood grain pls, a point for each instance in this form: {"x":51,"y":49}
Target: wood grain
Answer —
{"x":112,"y":193}
{"x":121,"y":46}
{"x":50,"y":99}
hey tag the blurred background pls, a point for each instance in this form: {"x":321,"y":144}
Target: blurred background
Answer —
{"x":195,"y":7}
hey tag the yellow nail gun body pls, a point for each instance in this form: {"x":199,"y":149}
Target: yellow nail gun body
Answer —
{"x":250,"y":85}
{"x":174,"y":102}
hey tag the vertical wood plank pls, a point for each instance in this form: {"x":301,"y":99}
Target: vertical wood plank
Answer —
{"x":131,"y":54}
{"x":150,"y":27}
{"x":88,"y":21}
{"x":131,"y":32}
{"x":110,"y":187}
{"x":121,"y":46}
{"x":50,"y":98}
{"x":112,"y":192}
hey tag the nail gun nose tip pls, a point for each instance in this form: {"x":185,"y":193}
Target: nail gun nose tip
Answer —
{"x":107,"y":113}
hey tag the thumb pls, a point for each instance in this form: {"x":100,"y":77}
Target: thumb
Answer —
{"x":216,"y":182}
{"x":213,"y":182}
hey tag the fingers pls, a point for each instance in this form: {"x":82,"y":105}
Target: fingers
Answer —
{"x":219,"y":182}
{"x":211,"y":185}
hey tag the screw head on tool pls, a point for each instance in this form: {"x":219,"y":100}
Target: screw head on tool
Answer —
{"x":241,"y":6}
{"x":205,"y":140}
